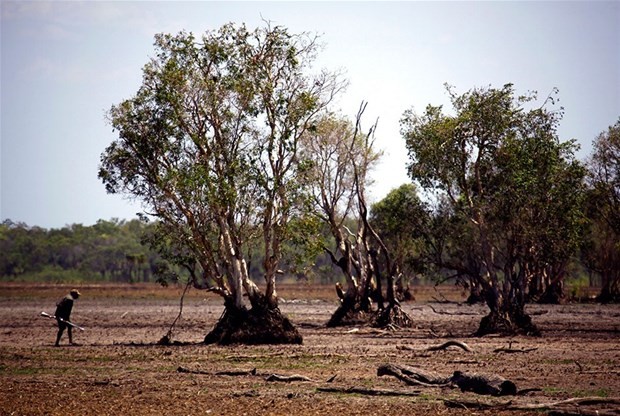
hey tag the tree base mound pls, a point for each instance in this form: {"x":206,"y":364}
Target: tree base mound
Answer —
{"x":495,"y":323}
{"x":392,"y":316}
{"x":347,"y":316}
{"x":253,"y":327}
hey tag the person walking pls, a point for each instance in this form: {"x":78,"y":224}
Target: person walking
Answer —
{"x":63,"y":314}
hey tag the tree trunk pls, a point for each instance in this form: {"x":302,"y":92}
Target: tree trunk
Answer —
{"x":610,"y":292}
{"x":475,"y":293}
{"x":554,"y":293}
{"x":350,"y":311}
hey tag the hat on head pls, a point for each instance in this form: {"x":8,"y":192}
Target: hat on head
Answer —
{"x":74,"y":293}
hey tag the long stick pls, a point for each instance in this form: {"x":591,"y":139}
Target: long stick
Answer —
{"x":47,"y":315}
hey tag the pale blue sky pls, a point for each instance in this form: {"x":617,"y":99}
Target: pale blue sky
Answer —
{"x":64,"y":64}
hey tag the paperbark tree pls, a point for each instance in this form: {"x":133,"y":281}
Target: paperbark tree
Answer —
{"x":502,"y":168}
{"x":337,"y":178}
{"x":209,"y":144}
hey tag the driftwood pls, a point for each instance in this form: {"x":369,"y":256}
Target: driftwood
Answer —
{"x":367,"y":392}
{"x":481,"y":384}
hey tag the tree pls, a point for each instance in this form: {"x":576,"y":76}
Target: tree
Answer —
{"x":337,"y":178}
{"x":209,"y":144}
{"x":401,"y":220}
{"x":603,"y":250}
{"x":503,"y":169}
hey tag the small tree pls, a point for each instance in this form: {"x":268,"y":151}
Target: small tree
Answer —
{"x":209,"y":144}
{"x":503,"y":169}
{"x":401,"y":220}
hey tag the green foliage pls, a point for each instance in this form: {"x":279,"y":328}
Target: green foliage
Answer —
{"x":209,"y":144}
{"x":401,"y":220}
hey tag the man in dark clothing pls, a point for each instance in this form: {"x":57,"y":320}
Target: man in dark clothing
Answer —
{"x":63,"y":314}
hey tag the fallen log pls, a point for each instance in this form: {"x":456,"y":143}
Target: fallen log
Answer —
{"x":481,"y":384}
{"x":233,"y":373}
{"x":484,"y":384}
{"x":413,"y":376}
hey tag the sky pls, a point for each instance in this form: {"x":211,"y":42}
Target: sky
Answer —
{"x":64,"y":64}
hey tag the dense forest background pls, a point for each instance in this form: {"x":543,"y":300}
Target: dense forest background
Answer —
{"x":108,"y":251}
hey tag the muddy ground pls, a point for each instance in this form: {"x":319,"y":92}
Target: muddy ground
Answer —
{"x":117,"y":370}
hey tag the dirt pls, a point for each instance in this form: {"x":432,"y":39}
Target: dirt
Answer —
{"x":118,"y":369}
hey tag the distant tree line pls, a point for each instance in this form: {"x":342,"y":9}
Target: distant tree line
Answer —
{"x":106,"y":251}
{"x":112,"y":251}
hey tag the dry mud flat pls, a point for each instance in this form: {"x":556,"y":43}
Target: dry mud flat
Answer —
{"x":117,"y":370}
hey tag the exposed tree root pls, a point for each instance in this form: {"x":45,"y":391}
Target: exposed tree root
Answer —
{"x":252,"y":327}
{"x":346,"y":316}
{"x":516,"y":324}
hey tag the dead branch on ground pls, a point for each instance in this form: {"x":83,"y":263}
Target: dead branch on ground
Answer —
{"x":445,"y":345}
{"x":287,"y":379}
{"x":233,"y":373}
{"x":514,"y":350}
{"x":367,"y":392}
{"x":413,"y":376}
{"x":556,"y":408}
{"x":439,"y":312}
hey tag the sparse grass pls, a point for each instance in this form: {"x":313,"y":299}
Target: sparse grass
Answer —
{"x":600,"y":392}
